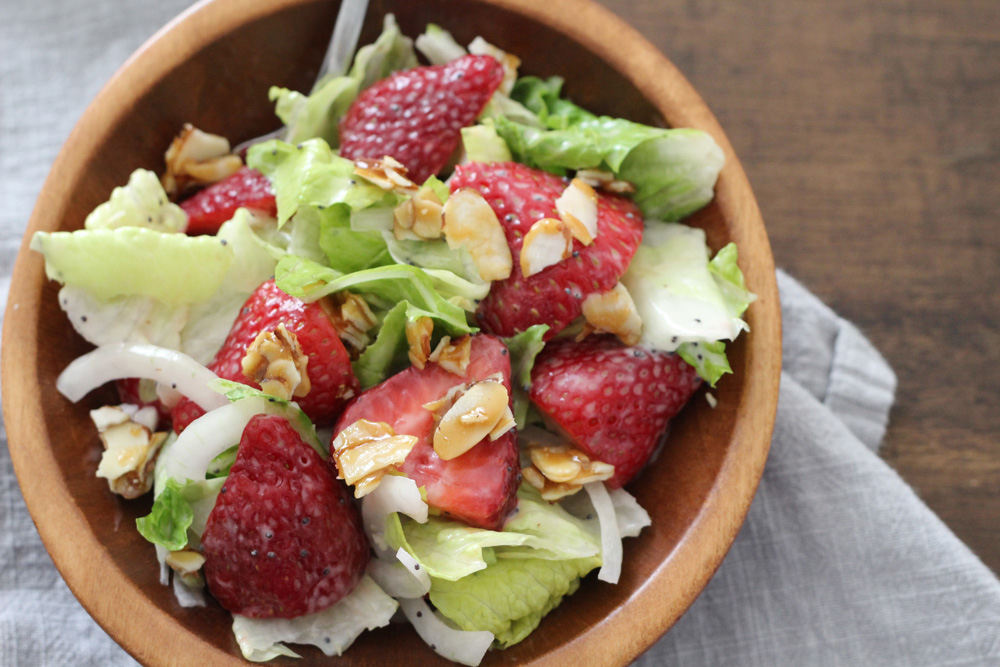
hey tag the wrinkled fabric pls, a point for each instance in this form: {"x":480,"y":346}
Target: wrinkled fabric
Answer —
{"x":839,"y":563}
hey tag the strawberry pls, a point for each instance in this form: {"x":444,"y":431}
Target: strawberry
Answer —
{"x":478,"y":487}
{"x":612,"y":401}
{"x":284,"y":538}
{"x":417,"y":115}
{"x":520,"y":195}
{"x":330,"y":374}
{"x":209,"y":208}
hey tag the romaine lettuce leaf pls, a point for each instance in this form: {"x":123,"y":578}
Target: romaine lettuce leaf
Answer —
{"x":318,"y":114}
{"x":524,"y":348}
{"x":167,"y":524}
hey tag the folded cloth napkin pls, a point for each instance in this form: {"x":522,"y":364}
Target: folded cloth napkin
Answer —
{"x":839,"y":562}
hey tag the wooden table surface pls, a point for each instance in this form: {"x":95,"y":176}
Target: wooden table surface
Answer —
{"x":870,"y":131}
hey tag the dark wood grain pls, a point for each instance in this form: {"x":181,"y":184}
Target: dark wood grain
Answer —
{"x":871,"y":135}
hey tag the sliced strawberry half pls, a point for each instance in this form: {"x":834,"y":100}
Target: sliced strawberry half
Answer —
{"x":330,"y":374}
{"x":284,"y":538}
{"x":417,"y":115}
{"x":612,"y":401}
{"x":478,"y":487}
{"x":520,"y":196}
{"x":207,"y":209}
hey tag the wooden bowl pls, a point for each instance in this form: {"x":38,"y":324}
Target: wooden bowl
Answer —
{"x":213,"y":66}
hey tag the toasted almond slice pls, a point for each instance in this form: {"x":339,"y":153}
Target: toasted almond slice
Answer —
{"x":420,"y":217}
{"x":559,"y":469}
{"x":351,"y":317}
{"x":185,"y":562}
{"x":505,"y":424}
{"x":470,"y":419}
{"x":130,"y":451}
{"x":605,"y":180}
{"x":548,"y":242}
{"x":387,"y":173}
{"x":418,"y":335}
{"x":470,"y":223}
{"x":197,"y":158}
{"x":365,"y":451}
{"x":453,"y":357}
{"x":612,"y":312}
{"x":276,"y":362}
{"x":577,"y":207}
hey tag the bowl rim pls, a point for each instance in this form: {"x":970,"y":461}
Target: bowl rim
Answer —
{"x":60,"y":522}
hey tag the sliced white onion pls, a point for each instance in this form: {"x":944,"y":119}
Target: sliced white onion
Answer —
{"x":611,"y":541}
{"x":208,"y":436}
{"x":467,"y":648}
{"x":413,"y":567}
{"x":188,"y":596}
{"x":632,"y":518}
{"x":393,"y":494}
{"x":127,"y":360}
{"x":397,"y":580}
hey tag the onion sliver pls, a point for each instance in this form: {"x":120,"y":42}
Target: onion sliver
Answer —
{"x":611,"y":540}
{"x":396,"y":579}
{"x":131,"y":360}
{"x":393,"y":494}
{"x":467,"y":648}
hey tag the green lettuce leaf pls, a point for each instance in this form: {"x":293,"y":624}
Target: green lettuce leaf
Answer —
{"x":674,"y":170}
{"x":687,"y":303}
{"x":318,"y":114}
{"x":524,"y":348}
{"x":173,"y":268}
{"x":482,"y":143}
{"x":168,"y":522}
{"x":141,"y":203}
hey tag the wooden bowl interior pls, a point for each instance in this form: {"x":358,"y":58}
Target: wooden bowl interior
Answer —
{"x":214,"y":70}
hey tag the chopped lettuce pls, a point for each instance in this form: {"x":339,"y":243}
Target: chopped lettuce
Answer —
{"x":174,"y":268}
{"x":687,"y":303}
{"x":332,"y":630}
{"x":167,"y":524}
{"x":438,"y":46}
{"x":482,"y":143}
{"x":141,"y":203}
{"x":524,"y":348}
{"x":674,"y":170}
{"x":318,"y":114}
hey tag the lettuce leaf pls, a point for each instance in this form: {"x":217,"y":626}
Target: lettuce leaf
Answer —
{"x":674,"y":170}
{"x":524,"y":348}
{"x":173,"y":268}
{"x":141,"y":203}
{"x":318,"y":114}
{"x":167,"y":524}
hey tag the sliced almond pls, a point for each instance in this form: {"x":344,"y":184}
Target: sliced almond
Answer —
{"x":612,"y":312}
{"x":197,"y":158}
{"x":453,"y":357}
{"x":351,"y":317}
{"x":418,"y":335}
{"x":577,"y":207}
{"x":276,"y":362}
{"x":419,"y":217}
{"x":559,"y":470}
{"x":185,"y":562}
{"x":605,"y":180}
{"x":548,"y":242}
{"x":387,"y":173}
{"x":470,"y":223}
{"x":472,"y":417}
{"x":365,"y":451}
{"x":508,"y":61}
{"x":130,"y":451}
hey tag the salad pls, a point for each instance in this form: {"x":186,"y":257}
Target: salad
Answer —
{"x":400,"y":362}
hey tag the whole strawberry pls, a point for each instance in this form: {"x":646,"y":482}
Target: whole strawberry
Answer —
{"x":330,"y":374}
{"x":613,"y":401}
{"x":207,"y":209}
{"x":478,"y":487}
{"x":417,"y":115}
{"x":520,"y":196}
{"x":284,"y":538}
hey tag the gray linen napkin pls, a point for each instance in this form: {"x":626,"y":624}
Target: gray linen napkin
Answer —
{"x":839,"y":562}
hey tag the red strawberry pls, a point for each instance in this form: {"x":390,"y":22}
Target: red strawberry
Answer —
{"x":520,"y":196}
{"x":478,"y":487}
{"x":284,"y":538}
{"x":417,"y":115}
{"x":613,"y":401}
{"x":330,"y":375}
{"x":209,"y":208}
